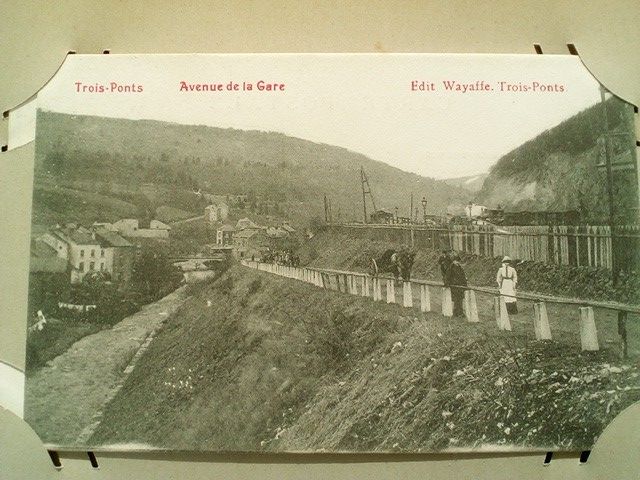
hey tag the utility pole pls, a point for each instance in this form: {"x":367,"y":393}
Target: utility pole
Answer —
{"x":607,"y":155}
{"x":366,"y":188}
{"x":411,"y":222}
{"x":326,"y":210}
{"x":411,"y":209}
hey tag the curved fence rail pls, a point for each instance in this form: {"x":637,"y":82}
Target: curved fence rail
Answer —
{"x":383,"y":288}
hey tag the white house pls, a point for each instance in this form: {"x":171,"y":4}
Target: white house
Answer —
{"x":473,"y":210}
{"x":216,"y":212}
{"x":91,"y":251}
{"x":224,"y":235}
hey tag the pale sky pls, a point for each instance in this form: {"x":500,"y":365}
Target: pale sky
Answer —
{"x":362,"y":102}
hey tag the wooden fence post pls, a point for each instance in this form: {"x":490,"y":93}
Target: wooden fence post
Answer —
{"x":447,"y":304}
{"x":407,"y":295}
{"x":471,"y":309}
{"x":425,"y":300}
{"x":622,"y":331}
{"x":502,"y":316}
{"x":541,"y":321}
{"x":588,"y":332}
{"x":377,"y":287}
{"x":365,"y":286}
{"x":391,"y":292}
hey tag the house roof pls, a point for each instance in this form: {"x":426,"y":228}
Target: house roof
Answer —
{"x":74,"y":236}
{"x":159,"y":225}
{"x":248,"y":233}
{"x":112,"y":239}
{"x":244,"y":223}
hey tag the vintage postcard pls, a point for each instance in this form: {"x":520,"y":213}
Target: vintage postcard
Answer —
{"x":332,"y":253}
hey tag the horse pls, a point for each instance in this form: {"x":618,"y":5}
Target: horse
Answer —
{"x":398,"y":263}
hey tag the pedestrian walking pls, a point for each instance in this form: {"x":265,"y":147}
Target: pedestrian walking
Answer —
{"x":445,"y":262}
{"x":507,"y":279}
{"x":456,"y":280}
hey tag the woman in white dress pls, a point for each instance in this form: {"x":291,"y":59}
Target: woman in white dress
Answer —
{"x":507,"y":279}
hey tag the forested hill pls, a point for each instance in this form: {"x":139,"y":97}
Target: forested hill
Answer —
{"x":557,"y":170}
{"x":227,"y":161}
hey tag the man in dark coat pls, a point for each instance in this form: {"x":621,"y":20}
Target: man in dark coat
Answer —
{"x":456,"y":280}
{"x":445,"y":262}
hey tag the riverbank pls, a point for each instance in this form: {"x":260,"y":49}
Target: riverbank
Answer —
{"x":67,"y":395}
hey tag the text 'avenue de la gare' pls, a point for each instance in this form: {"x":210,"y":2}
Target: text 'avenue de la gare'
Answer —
{"x":260,"y":86}
{"x":484,"y":86}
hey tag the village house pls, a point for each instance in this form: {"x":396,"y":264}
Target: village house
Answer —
{"x":250,"y":244}
{"x":87,"y":251}
{"x":130,"y":227}
{"x":247,"y":224}
{"x":474,"y":210}
{"x":224,"y":235}
{"x":122,"y":255}
{"x":216,"y":212}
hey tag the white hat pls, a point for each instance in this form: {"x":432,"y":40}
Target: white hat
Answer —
{"x":506,"y":259}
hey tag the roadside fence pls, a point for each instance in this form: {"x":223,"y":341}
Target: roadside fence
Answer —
{"x":383,"y":289}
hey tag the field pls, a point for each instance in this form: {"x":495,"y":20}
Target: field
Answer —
{"x":276,"y":364}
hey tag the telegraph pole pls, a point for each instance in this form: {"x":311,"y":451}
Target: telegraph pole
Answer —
{"x":364,"y":194}
{"x":607,"y":155}
{"x":411,"y":209}
{"x":326,"y":210}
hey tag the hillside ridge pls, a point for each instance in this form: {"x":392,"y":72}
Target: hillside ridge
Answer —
{"x":230,"y":161}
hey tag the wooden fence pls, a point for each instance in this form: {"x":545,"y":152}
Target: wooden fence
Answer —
{"x":362,"y":284}
{"x":585,"y":245}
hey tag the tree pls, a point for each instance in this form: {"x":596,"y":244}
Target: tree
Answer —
{"x":153,"y":274}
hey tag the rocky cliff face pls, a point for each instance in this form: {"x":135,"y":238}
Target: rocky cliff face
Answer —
{"x":558,"y":170}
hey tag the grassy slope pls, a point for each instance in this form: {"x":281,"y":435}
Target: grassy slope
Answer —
{"x":265,"y":368}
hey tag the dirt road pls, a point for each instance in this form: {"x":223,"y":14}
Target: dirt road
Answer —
{"x":64,"y":399}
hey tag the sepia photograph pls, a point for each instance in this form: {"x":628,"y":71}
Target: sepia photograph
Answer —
{"x":332,"y":253}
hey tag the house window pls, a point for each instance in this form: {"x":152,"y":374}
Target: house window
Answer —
{"x":82,"y":253}
{"x":92,"y":265}
{"x":93,"y":253}
{"x":81,"y":266}
{"x":102,"y":266}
